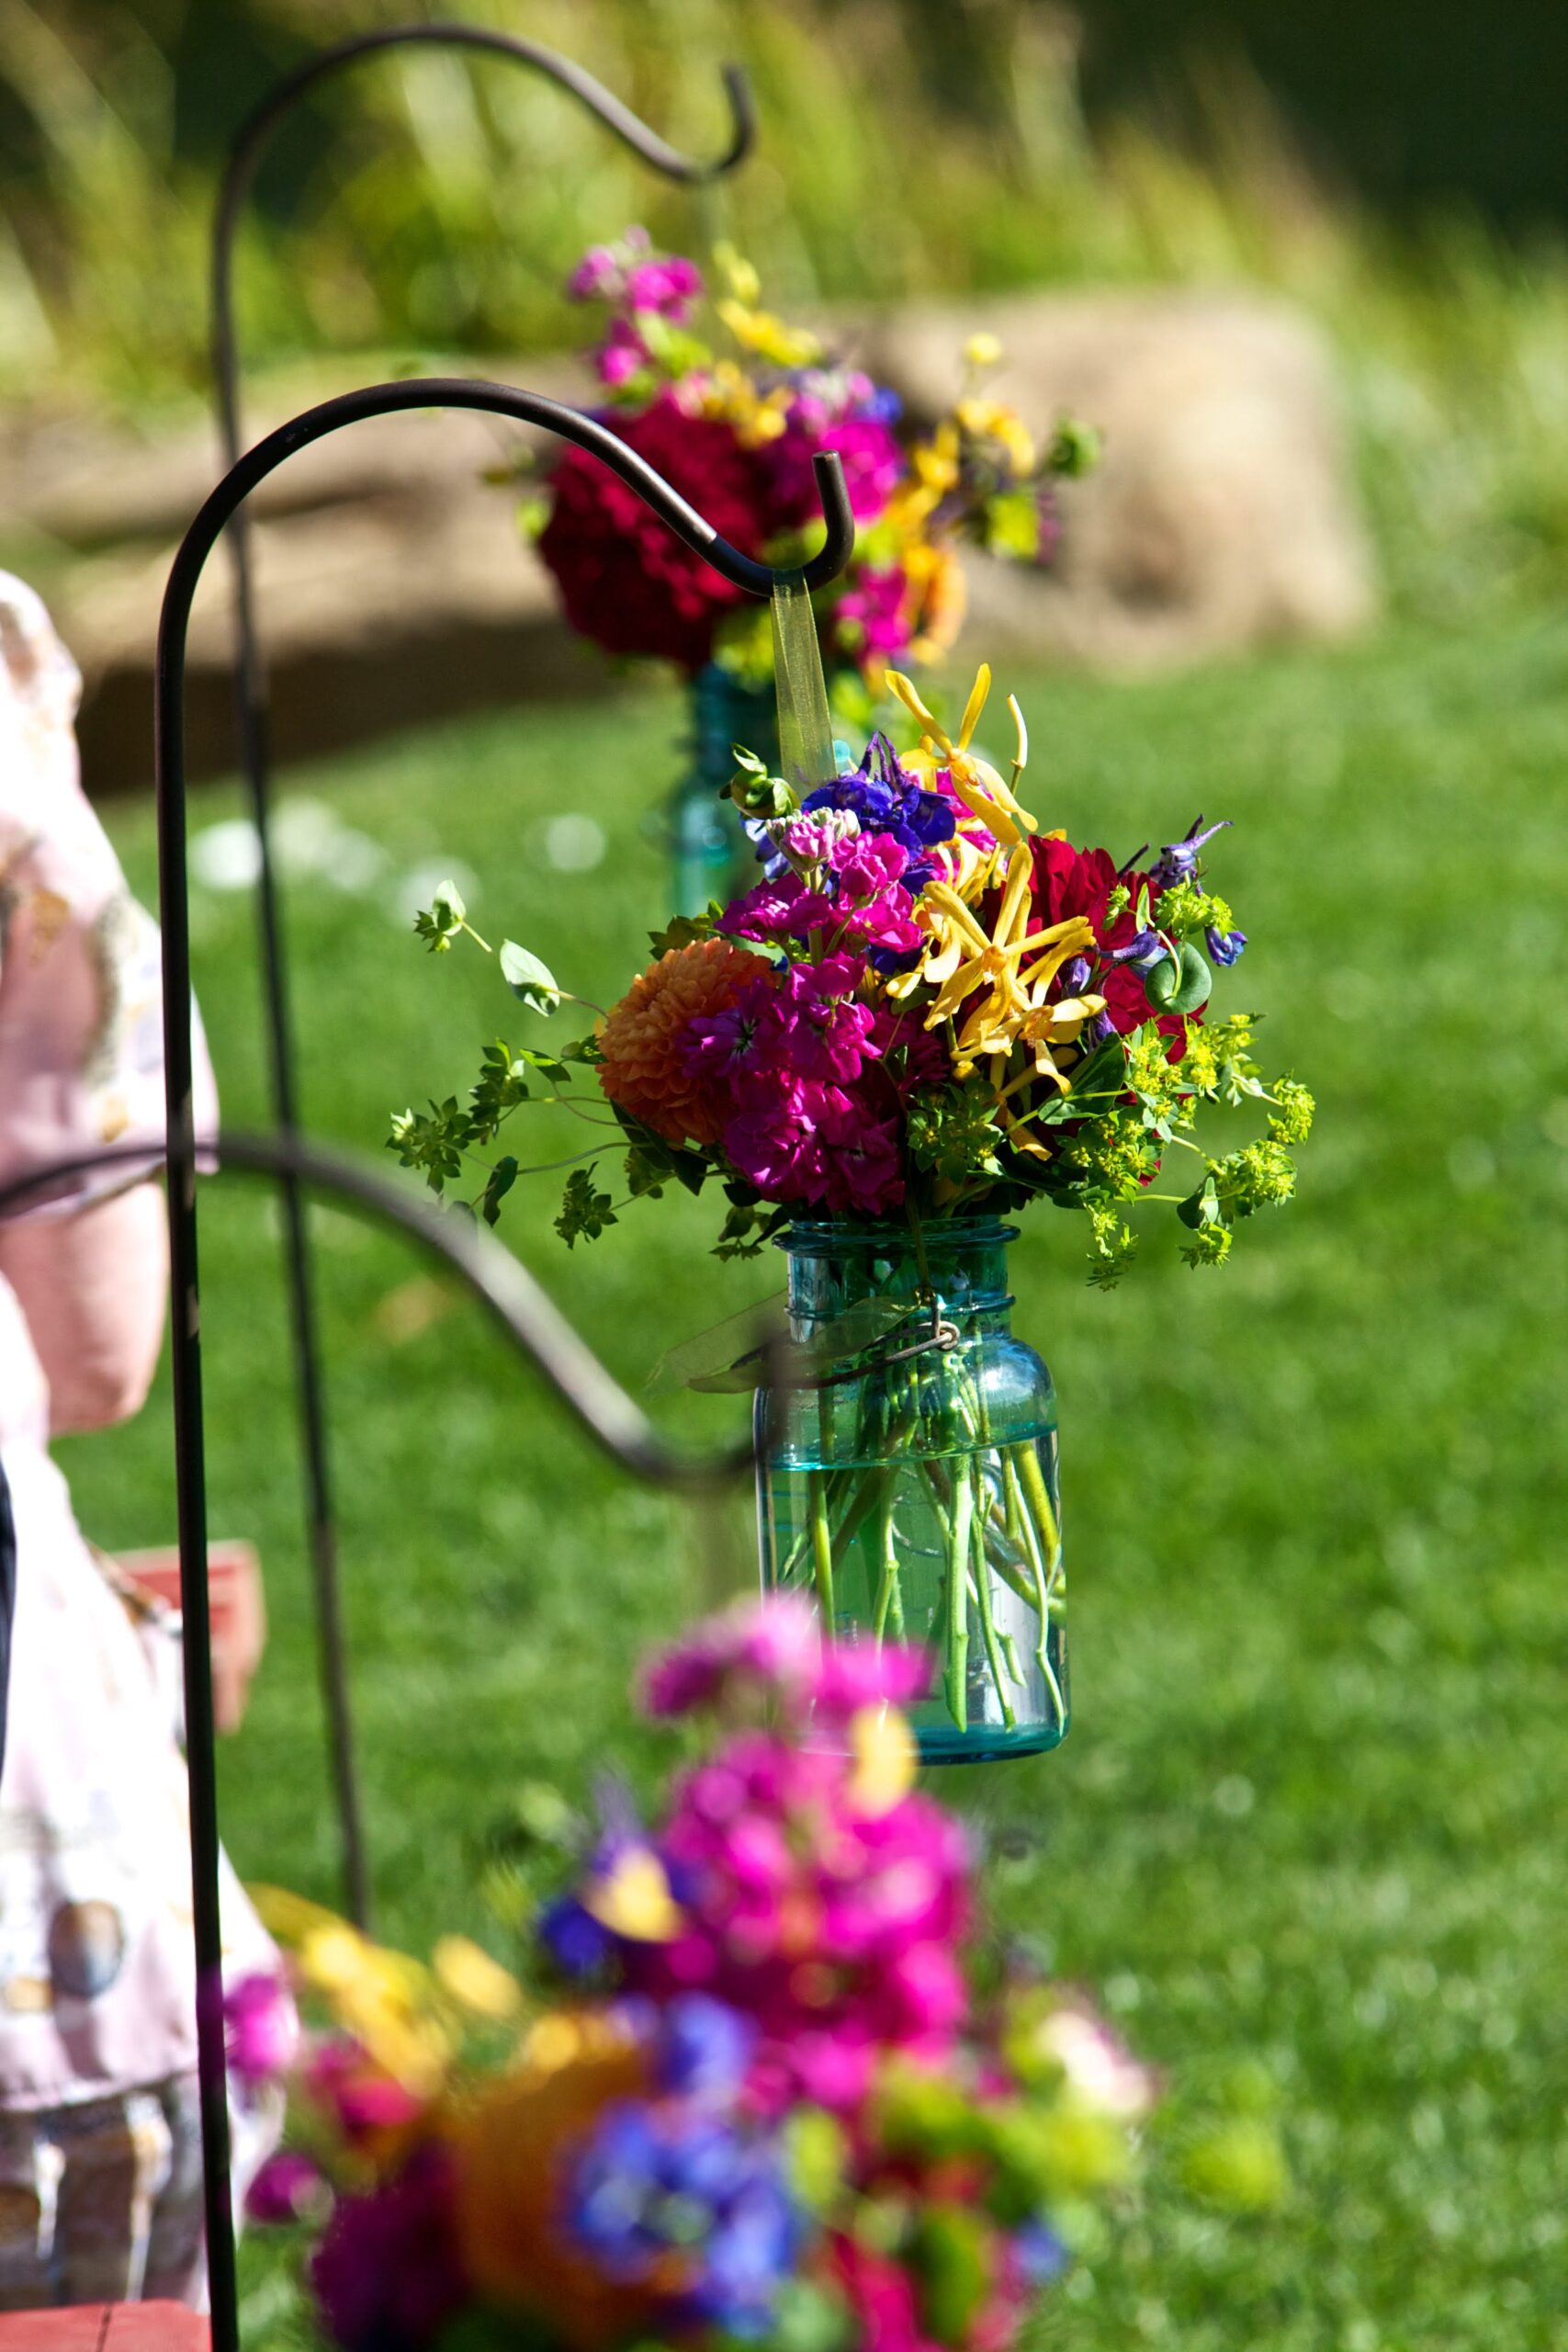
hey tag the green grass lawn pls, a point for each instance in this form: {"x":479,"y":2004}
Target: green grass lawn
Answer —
{"x":1310,"y":1814}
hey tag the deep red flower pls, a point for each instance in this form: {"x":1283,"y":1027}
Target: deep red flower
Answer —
{"x":624,"y":580}
{"x":1070,"y":881}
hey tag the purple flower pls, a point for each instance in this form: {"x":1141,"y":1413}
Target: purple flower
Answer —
{"x":1225,"y":946}
{"x":1075,"y":976}
{"x":1042,"y":2256}
{"x":655,"y":2183}
{"x":886,"y":800}
{"x":744,"y":1038}
{"x":1143,"y":951}
{"x":288,"y":2187}
{"x":705,"y":2048}
{"x":1178,"y":860}
{"x":386,"y":2272}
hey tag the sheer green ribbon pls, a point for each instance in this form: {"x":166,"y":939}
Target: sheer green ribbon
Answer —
{"x":806,"y":733}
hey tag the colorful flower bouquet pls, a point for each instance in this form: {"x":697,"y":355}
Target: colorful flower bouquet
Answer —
{"x":925,"y":1014}
{"x":732,"y":417}
{"x":757,"y":2102}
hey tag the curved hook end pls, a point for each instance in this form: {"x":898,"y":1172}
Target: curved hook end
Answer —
{"x":743,"y":116}
{"x":839,"y":516}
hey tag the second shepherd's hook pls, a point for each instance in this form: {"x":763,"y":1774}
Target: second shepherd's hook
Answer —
{"x":250,"y":144}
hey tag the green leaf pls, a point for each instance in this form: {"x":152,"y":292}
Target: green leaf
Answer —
{"x":439,"y":923}
{"x":685,"y":930}
{"x":1202,"y":1207}
{"x":584,"y":1212}
{"x":527,"y":979}
{"x":1180,"y":987}
{"x":503,"y":1177}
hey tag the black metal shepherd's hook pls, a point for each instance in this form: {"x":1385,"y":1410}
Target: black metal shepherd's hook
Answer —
{"x":183,"y":1151}
{"x":250,"y":682}
{"x":539,"y":1332}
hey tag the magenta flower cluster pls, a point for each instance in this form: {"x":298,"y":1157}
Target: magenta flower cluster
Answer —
{"x":814,"y":1075}
{"x":636,"y":283}
{"x":829,"y":1917}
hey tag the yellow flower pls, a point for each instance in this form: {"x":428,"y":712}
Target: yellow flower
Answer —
{"x":996,"y":421}
{"x":983,"y":351}
{"x":478,"y":1983}
{"x":884,"y":1749}
{"x":941,"y":592}
{"x":974,"y":781}
{"x":767,"y":336}
{"x":633,"y":1899}
{"x":388,"y":2003}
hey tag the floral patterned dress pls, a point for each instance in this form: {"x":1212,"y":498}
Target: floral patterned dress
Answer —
{"x":100,"y":2169}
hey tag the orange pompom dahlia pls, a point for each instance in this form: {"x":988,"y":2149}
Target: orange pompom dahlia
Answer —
{"x":642,"y":1071}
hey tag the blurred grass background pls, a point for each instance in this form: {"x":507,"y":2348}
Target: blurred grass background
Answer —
{"x":1401,"y":174}
{"x":1305,"y":1835}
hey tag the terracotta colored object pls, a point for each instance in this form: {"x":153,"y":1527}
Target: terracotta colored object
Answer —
{"x":108,"y":2327}
{"x":239,"y":1618}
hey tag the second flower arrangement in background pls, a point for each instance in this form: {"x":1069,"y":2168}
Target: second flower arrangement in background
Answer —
{"x":730,"y":403}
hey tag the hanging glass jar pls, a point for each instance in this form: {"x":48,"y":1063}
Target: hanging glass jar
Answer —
{"x":906,"y":1477}
{"x":713,"y":858}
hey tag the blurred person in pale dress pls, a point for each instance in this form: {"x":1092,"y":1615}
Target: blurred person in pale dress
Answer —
{"x":100,"y":2160}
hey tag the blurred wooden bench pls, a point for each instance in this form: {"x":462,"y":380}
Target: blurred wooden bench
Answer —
{"x":239,"y":1615}
{"x":108,"y":2327}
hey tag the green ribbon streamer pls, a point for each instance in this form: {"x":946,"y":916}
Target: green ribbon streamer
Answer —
{"x":806,"y":733}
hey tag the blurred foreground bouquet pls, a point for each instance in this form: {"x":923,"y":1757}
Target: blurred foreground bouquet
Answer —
{"x":731,"y":415}
{"x":764,"y":2105}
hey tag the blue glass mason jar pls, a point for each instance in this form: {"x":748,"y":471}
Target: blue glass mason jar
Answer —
{"x":713,"y":858}
{"x":908,"y":1477}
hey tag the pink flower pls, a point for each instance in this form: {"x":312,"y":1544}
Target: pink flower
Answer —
{"x":621,"y":355}
{"x":882,"y":2296}
{"x":261,"y":2027}
{"x":597,"y":278}
{"x":360,"y":2100}
{"x":864,"y":1673}
{"x":807,"y":841}
{"x":772,"y":1641}
{"x":832,"y":1928}
{"x":873,"y":461}
{"x":775,"y":1144}
{"x":832,"y":1034}
{"x":784,"y":909}
{"x":869,"y":864}
{"x":668,"y":286}
{"x":871,"y":618}
{"x":863,"y":1168}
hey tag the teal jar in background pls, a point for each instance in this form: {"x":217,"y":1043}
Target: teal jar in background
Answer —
{"x":712,"y":857}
